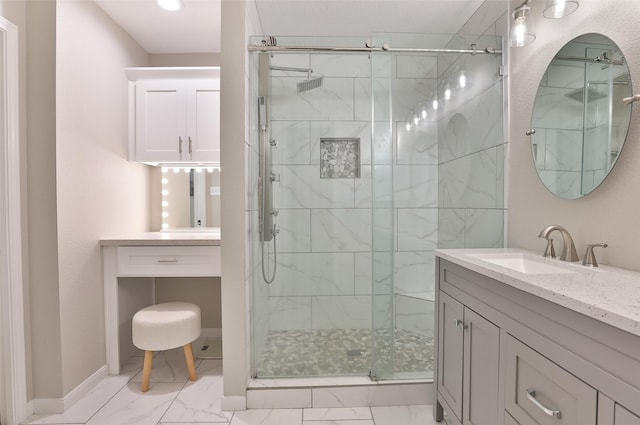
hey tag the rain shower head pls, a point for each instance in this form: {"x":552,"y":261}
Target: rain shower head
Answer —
{"x":306,"y":85}
{"x":310,"y":84}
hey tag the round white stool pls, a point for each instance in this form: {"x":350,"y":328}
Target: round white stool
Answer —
{"x":163,"y":327}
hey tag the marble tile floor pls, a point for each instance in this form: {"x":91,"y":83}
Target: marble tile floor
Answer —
{"x":174,"y":400}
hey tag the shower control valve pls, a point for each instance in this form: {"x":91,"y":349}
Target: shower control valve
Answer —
{"x":275,"y":212}
{"x":274,"y":177}
{"x":276,"y":231}
{"x":273,"y":143}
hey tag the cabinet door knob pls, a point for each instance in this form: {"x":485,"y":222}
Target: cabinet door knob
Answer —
{"x":460,"y":324}
{"x":531,"y":395}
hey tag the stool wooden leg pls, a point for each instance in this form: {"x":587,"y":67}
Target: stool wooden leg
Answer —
{"x":188,"y":355}
{"x":146,"y":370}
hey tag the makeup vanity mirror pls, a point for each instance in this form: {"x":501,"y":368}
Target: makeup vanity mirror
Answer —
{"x":190,"y":198}
{"x":579,"y":121}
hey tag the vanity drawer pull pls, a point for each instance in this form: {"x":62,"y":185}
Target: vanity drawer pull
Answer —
{"x":531,"y":395}
{"x":168,"y":261}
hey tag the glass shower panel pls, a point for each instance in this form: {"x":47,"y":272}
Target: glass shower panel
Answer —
{"x":318,"y":307}
{"x":382,"y":214}
{"x":405,"y":190}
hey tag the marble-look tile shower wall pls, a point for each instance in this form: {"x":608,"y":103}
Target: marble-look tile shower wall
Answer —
{"x":471,"y":138}
{"x":324,"y":249}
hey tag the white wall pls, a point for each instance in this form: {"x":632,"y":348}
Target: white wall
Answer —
{"x":99,"y":193}
{"x":610,"y":213}
{"x":232,"y":178}
{"x":185,"y":59}
{"x":16,"y":13}
{"x":239,"y":22}
{"x":40,"y":164}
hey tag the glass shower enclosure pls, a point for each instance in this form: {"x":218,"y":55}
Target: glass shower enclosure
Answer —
{"x":345,"y":200}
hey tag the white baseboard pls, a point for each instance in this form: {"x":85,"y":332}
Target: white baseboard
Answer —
{"x":230,"y":403}
{"x":60,"y":405}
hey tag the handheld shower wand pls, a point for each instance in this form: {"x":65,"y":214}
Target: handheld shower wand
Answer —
{"x":268,"y":230}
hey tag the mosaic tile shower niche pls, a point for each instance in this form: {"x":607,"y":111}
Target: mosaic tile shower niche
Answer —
{"x":363,"y":200}
{"x":339,"y":158}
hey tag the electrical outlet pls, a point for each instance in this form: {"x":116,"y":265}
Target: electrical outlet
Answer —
{"x":214,"y":190}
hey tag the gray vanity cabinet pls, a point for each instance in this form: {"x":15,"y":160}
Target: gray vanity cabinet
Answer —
{"x":508,"y":357}
{"x":450,"y":351}
{"x":622,"y":416}
{"x":611,"y":413}
{"x":508,"y":419}
{"x":538,"y":392}
{"x":469,"y":346}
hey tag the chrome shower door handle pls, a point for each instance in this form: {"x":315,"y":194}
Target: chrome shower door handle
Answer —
{"x":531,"y":395}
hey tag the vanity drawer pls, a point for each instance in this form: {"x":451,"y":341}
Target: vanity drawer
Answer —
{"x":539,"y":392}
{"x":169,"y":260}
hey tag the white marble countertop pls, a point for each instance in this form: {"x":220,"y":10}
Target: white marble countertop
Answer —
{"x":165,"y":238}
{"x":608,"y":294}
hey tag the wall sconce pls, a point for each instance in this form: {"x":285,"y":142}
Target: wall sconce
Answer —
{"x":521,"y":28}
{"x":554,"y":9}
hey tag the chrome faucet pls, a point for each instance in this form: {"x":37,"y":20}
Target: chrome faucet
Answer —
{"x":589,"y":257}
{"x":568,"y":248}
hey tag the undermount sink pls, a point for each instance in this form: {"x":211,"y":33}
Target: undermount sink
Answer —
{"x":522,"y":263}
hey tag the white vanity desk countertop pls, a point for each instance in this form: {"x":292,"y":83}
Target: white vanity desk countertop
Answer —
{"x":608,"y":294}
{"x":164,"y":238}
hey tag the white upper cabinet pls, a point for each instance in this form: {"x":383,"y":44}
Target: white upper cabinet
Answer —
{"x":203,"y":120}
{"x":175,"y":115}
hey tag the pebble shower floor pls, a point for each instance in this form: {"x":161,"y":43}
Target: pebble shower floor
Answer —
{"x":329,"y":352}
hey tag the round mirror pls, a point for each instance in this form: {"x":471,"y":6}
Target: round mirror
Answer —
{"x":580,"y":121}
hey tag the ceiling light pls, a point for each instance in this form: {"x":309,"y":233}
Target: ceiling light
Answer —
{"x":521,"y":27}
{"x":170,"y":5}
{"x":555,"y":9}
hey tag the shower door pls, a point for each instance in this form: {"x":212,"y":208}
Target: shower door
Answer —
{"x":315,"y":318}
{"x":349,"y":205}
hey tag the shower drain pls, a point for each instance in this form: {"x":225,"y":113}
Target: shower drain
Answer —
{"x":354,"y":353}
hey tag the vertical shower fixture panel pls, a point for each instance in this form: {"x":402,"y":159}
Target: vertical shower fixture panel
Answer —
{"x":265,"y":177}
